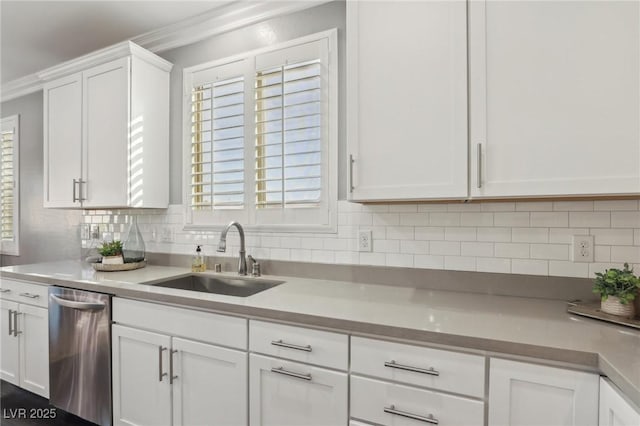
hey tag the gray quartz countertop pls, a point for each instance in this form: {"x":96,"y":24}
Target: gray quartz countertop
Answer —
{"x":502,"y":326}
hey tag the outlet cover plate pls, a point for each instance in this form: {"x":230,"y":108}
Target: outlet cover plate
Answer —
{"x":365,"y":240}
{"x":582,"y":248}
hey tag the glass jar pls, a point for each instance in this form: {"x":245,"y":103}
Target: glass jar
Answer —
{"x":133,"y":249}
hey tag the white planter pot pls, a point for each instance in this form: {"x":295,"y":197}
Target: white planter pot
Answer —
{"x":112,"y":260}
{"x":613,"y":306}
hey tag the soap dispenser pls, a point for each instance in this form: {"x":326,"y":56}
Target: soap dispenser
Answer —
{"x":198,"y":264}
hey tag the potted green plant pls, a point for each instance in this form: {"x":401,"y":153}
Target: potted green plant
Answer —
{"x":617,"y":288}
{"x":111,"y":253}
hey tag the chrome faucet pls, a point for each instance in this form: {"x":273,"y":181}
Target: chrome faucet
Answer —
{"x":222,"y":246}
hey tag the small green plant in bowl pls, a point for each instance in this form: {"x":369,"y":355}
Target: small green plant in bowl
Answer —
{"x":617,"y":289}
{"x":111,"y":252}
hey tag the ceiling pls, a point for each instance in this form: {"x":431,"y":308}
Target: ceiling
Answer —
{"x":35,"y":35}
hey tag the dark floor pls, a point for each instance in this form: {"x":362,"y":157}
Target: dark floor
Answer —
{"x":22,"y":408}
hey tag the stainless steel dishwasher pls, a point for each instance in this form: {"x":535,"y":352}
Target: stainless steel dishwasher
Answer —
{"x":80,"y":353}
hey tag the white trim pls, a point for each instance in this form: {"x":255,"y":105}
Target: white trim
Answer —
{"x":13,"y":248}
{"x":235,"y":14}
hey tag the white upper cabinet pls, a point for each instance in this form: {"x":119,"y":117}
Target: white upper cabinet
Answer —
{"x":554,"y":98}
{"x":406,"y":100}
{"x":106,"y":130}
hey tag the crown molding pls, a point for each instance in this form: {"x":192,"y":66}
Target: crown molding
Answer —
{"x":223,"y":19}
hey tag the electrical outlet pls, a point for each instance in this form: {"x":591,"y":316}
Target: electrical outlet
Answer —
{"x":85,"y":231}
{"x":582,"y":248}
{"x":95,"y":232}
{"x":365,"y":240}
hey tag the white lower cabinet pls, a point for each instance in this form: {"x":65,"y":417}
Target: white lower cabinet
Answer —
{"x":24,"y":337}
{"x":615,"y":409}
{"x":523,"y":394}
{"x":161,"y":379}
{"x":285,"y":393}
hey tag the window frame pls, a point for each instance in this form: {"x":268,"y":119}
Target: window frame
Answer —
{"x":216,"y":220}
{"x":12,"y":248}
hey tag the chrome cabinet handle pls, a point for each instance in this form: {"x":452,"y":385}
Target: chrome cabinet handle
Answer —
{"x":479,"y":166}
{"x":81,"y":190}
{"x":160,"y":373}
{"x":80,"y":306}
{"x":75,"y":194}
{"x":15,"y":323}
{"x":351,"y":161}
{"x":10,"y":321}
{"x":29,"y":295}
{"x":282,"y":344}
{"x":281,"y":370}
{"x":171,"y":376}
{"x":431,"y":371}
{"x":5,"y":290}
{"x":429,"y":419}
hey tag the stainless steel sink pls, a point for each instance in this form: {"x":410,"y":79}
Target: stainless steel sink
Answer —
{"x":240,"y":286}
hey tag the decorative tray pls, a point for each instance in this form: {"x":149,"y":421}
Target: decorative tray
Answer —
{"x":592,"y":310}
{"x":121,"y":267}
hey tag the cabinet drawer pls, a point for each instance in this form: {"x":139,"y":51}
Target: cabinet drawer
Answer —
{"x":204,"y":326}
{"x":432,"y":368}
{"x":300,"y":344}
{"x":23,"y":292}
{"x":393,"y":404}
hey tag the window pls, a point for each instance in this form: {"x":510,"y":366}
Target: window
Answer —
{"x":261,"y":139}
{"x":9,"y":196}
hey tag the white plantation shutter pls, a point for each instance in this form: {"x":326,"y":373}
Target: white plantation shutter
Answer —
{"x":263,"y":137}
{"x":9,"y":200}
{"x":289,"y":135}
{"x":217,"y":145}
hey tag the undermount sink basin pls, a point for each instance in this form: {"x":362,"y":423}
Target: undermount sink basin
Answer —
{"x":240,"y":286}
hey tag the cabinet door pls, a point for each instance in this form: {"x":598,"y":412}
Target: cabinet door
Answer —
{"x":106,"y":134}
{"x":141,"y":389}
{"x":285,"y":393}
{"x":62,"y":123}
{"x":554,"y":103}
{"x":522,"y":394}
{"x":615,"y":410}
{"x":9,"y":347}
{"x":209,"y":384}
{"x":407,"y":100}
{"x":33,"y":326}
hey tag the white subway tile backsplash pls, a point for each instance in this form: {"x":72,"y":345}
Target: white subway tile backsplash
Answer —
{"x":445,"y":248}
{"x":444,"y":219}
{"x":529,"y":267}
{"x":625,"y":219}
{"x":494,"y":234}
{"x":492,"y":264}
{"x":550,"y":219}
{"x":530,"y":235}
{"x":507,"y":237}
{"x":512,"y":250}
{"x":476,"y":219}
{"x":589,"y":219}
{"x":550,"y":251}
{"x":612,"y":237}
{"x":511,"y":219}
{"x":428,"y":261}
{"x":460,"y":263}
{"x":460,"y":234}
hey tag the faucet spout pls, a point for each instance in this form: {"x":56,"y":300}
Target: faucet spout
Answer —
{"x":222,"y":246}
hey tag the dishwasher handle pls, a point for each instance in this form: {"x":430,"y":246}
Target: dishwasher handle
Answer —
{"x":81,"y":306}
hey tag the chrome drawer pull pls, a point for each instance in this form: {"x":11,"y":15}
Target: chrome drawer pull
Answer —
{"x":10,"y":321}
{"x":430,"y":371}
{"x":15,"y":323}
{"x":29,"y":295}
{"x":429,"y":419}
{"x":281,"y":370}
{"x":171,"y":376}
{"x":160,"y":373}
{"x":282,"y":344}
{"x":5,"y":290}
